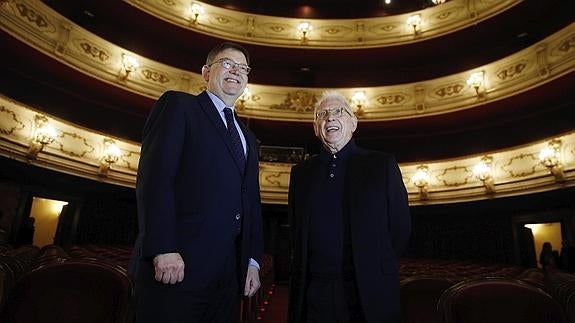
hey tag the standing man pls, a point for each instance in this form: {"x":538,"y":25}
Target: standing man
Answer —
{"x":350,"y":222}
{"x":200,"y":231}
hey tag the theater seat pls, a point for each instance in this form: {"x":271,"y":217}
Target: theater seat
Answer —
{"x":419,"y":297}
{"x":79,"y":291}
{"x":498,"y":300}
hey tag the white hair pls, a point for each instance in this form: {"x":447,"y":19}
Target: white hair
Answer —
{"x":333,"y":95}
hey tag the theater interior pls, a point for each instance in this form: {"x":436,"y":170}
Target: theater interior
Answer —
{"x":474,"y":98}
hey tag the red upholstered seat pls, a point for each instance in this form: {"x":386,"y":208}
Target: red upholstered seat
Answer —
{"x":80,"y":291}
{"x":419,"y":297}
{"x":498,"y":300}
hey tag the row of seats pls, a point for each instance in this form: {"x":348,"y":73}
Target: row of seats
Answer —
{"x":531,"y":296}
{"x":561,"y":286}
{"x":58,"y":283}
{"x":89,"y":284}
{"x":75,"y":291}
{"x":454,"y":269}
{"x":13,"y":264}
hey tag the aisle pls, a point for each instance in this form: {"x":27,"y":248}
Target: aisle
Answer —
{"x":275,"y":306}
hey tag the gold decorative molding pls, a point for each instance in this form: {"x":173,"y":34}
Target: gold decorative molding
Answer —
{"x":326,"y":33}
{"x":515,"y":171}
{"x":70,"y":44}
{"x":74,"y":150}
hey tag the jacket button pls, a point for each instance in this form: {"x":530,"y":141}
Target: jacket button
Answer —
{"x":238,"y":216}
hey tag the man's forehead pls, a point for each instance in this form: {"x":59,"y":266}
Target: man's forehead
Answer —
{"x":331,"y":103}
{"x":232,"y":53}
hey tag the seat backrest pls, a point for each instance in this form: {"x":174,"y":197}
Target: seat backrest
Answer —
{"x":80,"y":291}
{"x":419,"y":297}
{"x":561,"y":286}
{"x":498,"y":300}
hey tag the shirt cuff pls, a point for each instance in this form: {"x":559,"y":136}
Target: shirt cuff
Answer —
{"x":254,"y":263}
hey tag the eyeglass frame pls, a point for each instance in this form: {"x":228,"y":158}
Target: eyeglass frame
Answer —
{"x":242,"y":68}
{"x":334,"y":112}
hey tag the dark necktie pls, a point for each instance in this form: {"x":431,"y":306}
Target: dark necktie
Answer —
{"x":238,"y":148}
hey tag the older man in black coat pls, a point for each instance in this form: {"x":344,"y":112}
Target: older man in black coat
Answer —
{"x":350,"y":221}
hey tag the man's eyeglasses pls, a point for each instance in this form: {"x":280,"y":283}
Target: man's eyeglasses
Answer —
{"x":334,"y":113}
{"x":229,"y":64}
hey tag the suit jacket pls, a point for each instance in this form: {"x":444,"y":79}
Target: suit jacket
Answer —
{"x":190,"y":190}
{"x":380,"y":227}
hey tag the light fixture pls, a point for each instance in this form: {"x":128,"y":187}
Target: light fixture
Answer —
{"x":550,"y":158}
{"x":304,"y":28}
{"x":196,"y":10}
{"x":438,"y":1}
{"x":246,"y":95}
{"x":44,"y":134}
{"x":483,"y":172}
{"x":421,"y":181}
{"x":475,"y":80}
{"x":358,"y":100}
{"x":110,"y":156}
{"x":387,"y":1}
{"x":129,"y":65}
{"x":415,"y":22}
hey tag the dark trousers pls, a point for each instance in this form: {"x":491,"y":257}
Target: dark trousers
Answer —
{"x":219,"y":303}
{"x":331,"y":299}
{"x":165,"y":305}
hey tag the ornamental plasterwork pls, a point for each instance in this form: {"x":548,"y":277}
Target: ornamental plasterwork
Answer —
{"x":92,"y":51}
{"x":74,"y":145}
{"x":299,"y":101}
{"x":521,"y":165}
{"x":512,"y":71}
{"x":9,"y":122}
{"x":79,"y":151}
{"x":326,"y":33}
{"x":36,"y":19}
{"x":543,"y":62}
{"x":455,"y":176}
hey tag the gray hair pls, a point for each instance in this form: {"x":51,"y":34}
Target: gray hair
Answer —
{"x":333,"y":95}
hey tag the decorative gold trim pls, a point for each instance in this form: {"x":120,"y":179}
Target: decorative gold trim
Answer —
{"x":326,"y":33}
{"x":60,"y":39}
{"x":79,"y":151}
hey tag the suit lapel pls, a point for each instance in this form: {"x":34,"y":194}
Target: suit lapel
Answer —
{"x":210,"y":110}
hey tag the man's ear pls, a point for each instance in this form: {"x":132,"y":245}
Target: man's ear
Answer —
{"x":316,"y":128}
{"x":353,"y":123}
{"x":206,"y":73}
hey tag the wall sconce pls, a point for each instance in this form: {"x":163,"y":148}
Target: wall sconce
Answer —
{"x":129,"y":65}
{"x":415,"y":22}
{"x":550,"y":158}
{"x":476,"y":81}
{"x":483,"y":172}
{"x":421,"y":180}
{"x":304,"y":28}
{"x":111,"y":155}
{"x":195,"y":10}
{"x":358,"y":100}
{"x":246,"y":95}
{"x":43,"y":135}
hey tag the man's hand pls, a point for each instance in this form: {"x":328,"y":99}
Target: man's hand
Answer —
{"x":169,"y":268}
{"x":252,"y":281}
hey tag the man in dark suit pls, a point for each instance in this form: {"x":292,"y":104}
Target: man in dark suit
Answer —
{"x":200,"y":234}
{"x":350,"y":221}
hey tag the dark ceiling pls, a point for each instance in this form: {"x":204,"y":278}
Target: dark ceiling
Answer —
{"x":48,"y":85}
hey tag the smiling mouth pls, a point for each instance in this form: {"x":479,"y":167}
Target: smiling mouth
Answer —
{"x":332,"y":128}
{"x":232,"y":80}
